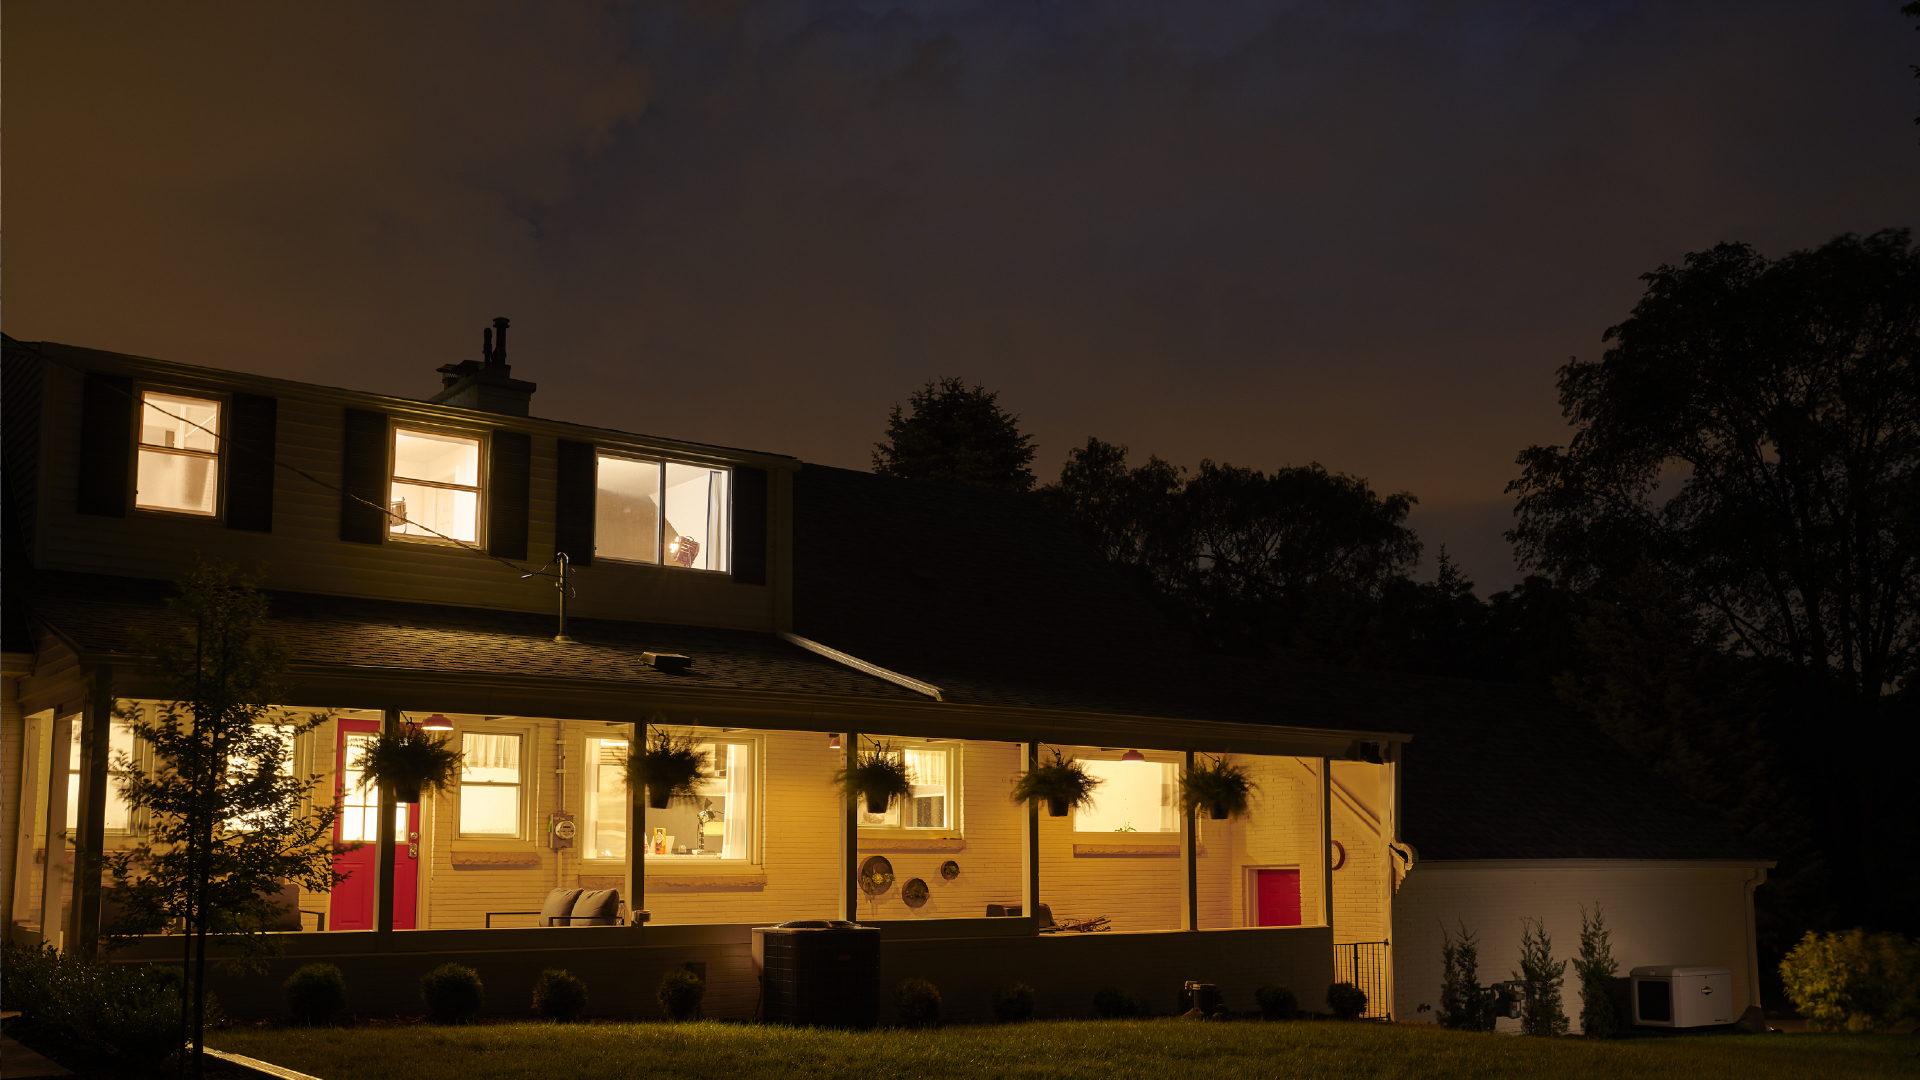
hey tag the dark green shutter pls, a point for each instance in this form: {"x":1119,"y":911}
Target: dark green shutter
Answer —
{"x":573,"y":502}
{"x":750,"y":526}
{"x":510,"y":482}
{"x":106,"y":450}
{"x":251,"y":427}
{"x":363,"y":477}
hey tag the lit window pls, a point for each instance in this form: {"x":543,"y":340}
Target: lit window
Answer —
{"x":626,"y":512}
{"x":606,"y":824}
{"x":238,"y":767}
{"x":436,"y":485}
{"x":718,"y":824}
{"x":119,"y":816}
{"x":628,"y":523}
{"x":360,"y":806}
{"x":697,"y":526}
{"x":930,"y":805}
{"x":179,"y":454}
{"x":490,"y":785}
{"x":1138,"y":796}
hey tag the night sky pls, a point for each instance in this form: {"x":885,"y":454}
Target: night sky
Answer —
{"x":1363,"y":234}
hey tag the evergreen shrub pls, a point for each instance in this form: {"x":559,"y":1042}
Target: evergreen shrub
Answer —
{"x":1013,"y":1003}
{"x":1276,"y":1002}
{"x":1465,"y":1005}
{"x":919,"y":1003}
{"x":559,"y":995}
{"x":315,"y":994}
{"x":116,"y":1016}
{"x":1115,"y":1003}
{"x":453,"y":994}
{"x":1540,"y":979}
{"x":1346,"y":1001}
{"x":680,"y":994}
{"x":1596,"y":968}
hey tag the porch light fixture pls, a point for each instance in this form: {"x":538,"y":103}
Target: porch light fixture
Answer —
{"x":833,"y":741}
{"x":436,"y":722}
{"x":1133,"y":755}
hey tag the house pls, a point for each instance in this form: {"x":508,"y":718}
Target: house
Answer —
{"x":787,"y":616}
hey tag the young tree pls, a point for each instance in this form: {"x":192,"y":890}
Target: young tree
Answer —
{"x":227,"y":819}
{"x":956,"y":436}
{"x":1465,"y":1005}
{"x":1540,"y":979}
{"x":1596,"y":968}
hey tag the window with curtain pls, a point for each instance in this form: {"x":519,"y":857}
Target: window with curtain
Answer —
{"x":491,"y":778}
{"x":931,"y":805}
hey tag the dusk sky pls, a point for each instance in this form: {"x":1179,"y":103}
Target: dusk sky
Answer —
{"x":1364,"y":234}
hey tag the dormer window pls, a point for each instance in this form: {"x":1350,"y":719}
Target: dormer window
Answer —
{"x":179,"y":454}
{"x":667,"y":513}
{"x":436,"y":486}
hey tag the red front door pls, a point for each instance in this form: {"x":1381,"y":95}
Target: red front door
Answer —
{"x":354,"y":899}
{"x":1277,"y":894}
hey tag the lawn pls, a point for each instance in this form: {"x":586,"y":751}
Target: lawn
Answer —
{"x":1167,"y":1049}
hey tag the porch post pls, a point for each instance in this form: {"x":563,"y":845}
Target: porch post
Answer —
{"x":636,"y":838}
{"x":52,"y":911}
{"x":1189,"y":854}
{"x":1326,"y":840}
{"x":383,"y":903}
{"x":850,"y":887}
{"x":1030,"y":851}
{"x":32,"y":783}
{"x":96,"y":744}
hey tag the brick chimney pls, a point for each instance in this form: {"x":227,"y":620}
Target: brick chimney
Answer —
{"x":486,"y":384}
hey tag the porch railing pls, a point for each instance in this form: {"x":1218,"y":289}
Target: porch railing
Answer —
{"x":1364,"y":964}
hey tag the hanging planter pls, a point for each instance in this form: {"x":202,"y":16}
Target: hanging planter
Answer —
{"x":408,"y":762}
{"x":878,"y":777}
{"x":1063,"y":784}
{"x":668,"y":768}
{"x":1223,"y":789}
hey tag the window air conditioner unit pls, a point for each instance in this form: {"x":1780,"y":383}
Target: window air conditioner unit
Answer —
{"x":1682,"y":996}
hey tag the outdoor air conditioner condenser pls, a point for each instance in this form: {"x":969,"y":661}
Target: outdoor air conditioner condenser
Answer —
{"x":1682,"y":996}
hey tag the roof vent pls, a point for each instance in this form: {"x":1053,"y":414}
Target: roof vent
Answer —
{"x":672,"y":663}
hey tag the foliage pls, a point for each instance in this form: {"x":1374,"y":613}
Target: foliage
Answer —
{"x":669,"y":767}
{"x":1217,"y":786}
{"x":1540,"y":979}
{"x":919,"y":1003}
{"x":1853,"y":980}
{"x":409,"y":762}
{"x":680,"y":994}
{"x":1013,"y":1003}
{"x":227,"y":820}
{"x":956,"y":436}
{"x":315,"y":994}
{"x":1595,"y":968}
{"x":1130,"y":516}
{"x":1063,"y":779}
{"x":878,"y":776}
{"x":1346,"y":1001}
{"x":1465,"y":1005}
{"x":1276,"y":1002}
{"x":1115,"y":1003}
{"x":559,"y":995}
{"x":453,"y":993}
{"x":106,"y":1014}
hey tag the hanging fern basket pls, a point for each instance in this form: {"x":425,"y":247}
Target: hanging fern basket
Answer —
{"x":877,"y":778}
{"x":408,"y":762}
{"x":1062,"y":784}
{"x":670,"y":767}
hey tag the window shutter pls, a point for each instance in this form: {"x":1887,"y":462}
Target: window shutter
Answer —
{"x":509,"y":484}
{"x":106,"y":444}
{"x":250,"y":436}
{"x":750,"y":526}
{"x":573,"y":503}
{"x":363,"y":476}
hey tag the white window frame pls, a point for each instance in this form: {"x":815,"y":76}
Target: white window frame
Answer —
{"x":956,"y":757}
{"x":755,"y":815}
{"x":479,"y":490}
{"x":217,"y":456}
{"x":660,"y":515}
{"x":1142,"y":836}
{"x":587,"y":818}
{"x":525,"y":784}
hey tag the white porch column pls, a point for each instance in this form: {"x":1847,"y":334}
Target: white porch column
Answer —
{"x":52,"y":909}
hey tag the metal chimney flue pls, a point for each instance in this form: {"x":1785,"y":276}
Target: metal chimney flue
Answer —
{"x":488,"y":385}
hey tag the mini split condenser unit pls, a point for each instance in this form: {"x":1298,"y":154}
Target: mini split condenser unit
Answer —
{"x":1682,"y":996}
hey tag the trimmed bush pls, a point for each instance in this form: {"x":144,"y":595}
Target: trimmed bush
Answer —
{"x":1853,"y":980}
{"x":680,"y":994}
{"x":1013,"y":1003}
{"x":919,"y":1003}
{"x":315,"y":994}
{"x":1276,"y":1002}
{"x":120,"y":1016}
{"x":1346,"y":1001}
{"x":559,"y":996}
{"x":1115,"y":1003}
{"x":453,"y":994}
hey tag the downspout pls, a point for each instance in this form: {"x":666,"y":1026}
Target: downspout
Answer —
{"x":1756,"y":877}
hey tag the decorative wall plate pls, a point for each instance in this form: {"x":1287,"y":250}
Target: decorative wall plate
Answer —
{"x":876,"y":875}
{"x":949,"y":869}
{"x":914,"y":892}
{"x":1339,"y":855}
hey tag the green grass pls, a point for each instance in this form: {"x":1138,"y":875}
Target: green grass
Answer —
{"x":1163,"y":1049}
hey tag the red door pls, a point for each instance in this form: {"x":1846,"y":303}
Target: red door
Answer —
{"x":354,"y":899}
{"x":1277,"y":896}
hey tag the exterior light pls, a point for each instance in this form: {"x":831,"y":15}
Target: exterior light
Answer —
{"x":1133,"y":755}
{"x":833,"y":741}
{"x":436,"y":722}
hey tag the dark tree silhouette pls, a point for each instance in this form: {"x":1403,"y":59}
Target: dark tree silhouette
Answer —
{"x":956,"y":436}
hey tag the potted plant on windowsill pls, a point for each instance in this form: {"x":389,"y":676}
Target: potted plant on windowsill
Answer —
{"x":1063,"y":784}
{"x":408,"y":762}
{"x":668,"y":768}
{"x":879,"y":777}
{"x":1224,"y":789}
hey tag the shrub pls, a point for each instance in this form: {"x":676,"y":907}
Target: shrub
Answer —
{"x":1276,"y":1002}
{"x":680,"y":994}
{"x":1853,"y":981}
{"x":1115,"y":1003}
{"x":1013,"y":1003}
{"x":315,"y":994}
{"x":1540,"y":980}
{"x":1346,"y":1001}
{"x":115,"y":1015}
{"x":1465,"y":1005}
{"x":1596,"y":968}
{"x":559,"y":996}
{"x":919,"y":1002}
{"x":453,"y":994}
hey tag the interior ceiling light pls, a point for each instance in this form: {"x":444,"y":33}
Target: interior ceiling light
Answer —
{"x":1133,"y":755}
{"x":436,"y":722}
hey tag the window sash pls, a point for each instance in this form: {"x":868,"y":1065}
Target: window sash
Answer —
{"x":492,"y":757}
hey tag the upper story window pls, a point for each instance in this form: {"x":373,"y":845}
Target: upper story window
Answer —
{"x":930,"y":771}
{"x":663,"y":512}
{"x":179,"y":466}
{"x":1138,"y":796}
{"x":436,"y":485}
{"x":490,"y":781}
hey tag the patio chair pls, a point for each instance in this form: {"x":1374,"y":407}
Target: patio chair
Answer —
{"x":288,"y":901}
